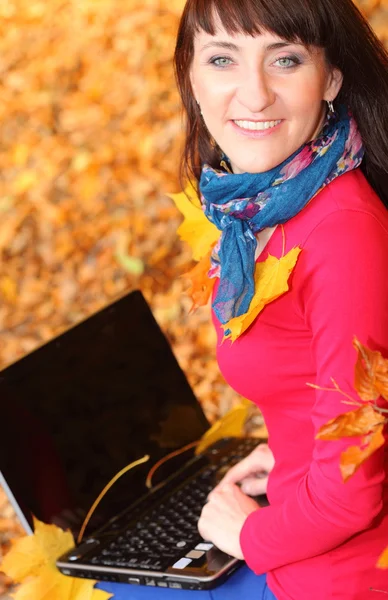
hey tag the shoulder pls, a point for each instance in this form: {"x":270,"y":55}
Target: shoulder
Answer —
{"x":343,"y":233}
{"x":341,"y":270}
{"x":347,"y":211}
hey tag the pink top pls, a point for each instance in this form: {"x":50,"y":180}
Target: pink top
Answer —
{"x":320,"y":538}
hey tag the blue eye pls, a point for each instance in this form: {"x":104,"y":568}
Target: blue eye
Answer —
{"x":221,"y":61}
{"x":288,"y":61}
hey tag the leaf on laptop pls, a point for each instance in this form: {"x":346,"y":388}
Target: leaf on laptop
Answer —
{"x":271,"y":281}
{"x":196,"y":229}
{"x":231,"y":424}
{"x":31,"y":563}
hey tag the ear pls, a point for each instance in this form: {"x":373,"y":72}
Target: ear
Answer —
{"x":334,"y":84}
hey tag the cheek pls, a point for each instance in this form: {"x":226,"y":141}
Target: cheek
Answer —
{"x":305,"y":96}
{"x":213,"y":94}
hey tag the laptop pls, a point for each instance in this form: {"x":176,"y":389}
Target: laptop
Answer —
{"x":79,"y":409}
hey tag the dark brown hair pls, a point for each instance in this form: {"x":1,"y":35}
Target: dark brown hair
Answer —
{"x":337,"y":26}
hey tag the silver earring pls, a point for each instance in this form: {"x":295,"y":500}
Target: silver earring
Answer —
{"x":330,"y":105}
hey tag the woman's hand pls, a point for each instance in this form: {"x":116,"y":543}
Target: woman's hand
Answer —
{"x":252,"y":472}
{"x":223,"y":517}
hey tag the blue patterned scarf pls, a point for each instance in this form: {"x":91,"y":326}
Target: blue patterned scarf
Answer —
{"x":242,"y":205}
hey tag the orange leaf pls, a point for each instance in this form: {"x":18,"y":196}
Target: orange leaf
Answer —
{"x":371,"y":375}
{"x":383,"y":560}
{"x":355,"y":456}
{"x":355,"y":422}
{"x":201,"y":285}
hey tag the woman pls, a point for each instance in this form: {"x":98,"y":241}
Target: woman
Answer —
{"x":287,"y":135}
{"x":259,"y":81}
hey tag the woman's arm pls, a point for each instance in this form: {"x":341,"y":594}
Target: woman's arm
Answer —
{"x":343,"y":286}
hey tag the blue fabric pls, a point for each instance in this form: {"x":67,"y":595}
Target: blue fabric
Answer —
{"x":242,"y":584}
{"x":241,"y":205}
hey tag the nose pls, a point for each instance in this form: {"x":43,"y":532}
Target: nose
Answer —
{"x":255,"y":91}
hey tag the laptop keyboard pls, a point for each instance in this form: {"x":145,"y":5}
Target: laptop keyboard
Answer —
{"x":169,"y":531}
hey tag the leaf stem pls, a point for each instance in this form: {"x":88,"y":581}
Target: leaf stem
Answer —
{"x":351,"y":401}
{"x":336,"y":388}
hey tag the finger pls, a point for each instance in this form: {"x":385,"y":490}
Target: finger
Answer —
{"x":253,"y":486}
{"x":247,"y":471}
{"x":267,"y":459}
{"x":219,"y":491}
{"x":204,"y":523}
{"x":237,"y":473}
{"x":201,"y":526}
{"x":260,"y":460}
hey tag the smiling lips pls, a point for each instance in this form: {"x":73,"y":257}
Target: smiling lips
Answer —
{"x":257,"y":125}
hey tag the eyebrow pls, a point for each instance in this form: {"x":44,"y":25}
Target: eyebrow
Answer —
{"x":235,"y":48}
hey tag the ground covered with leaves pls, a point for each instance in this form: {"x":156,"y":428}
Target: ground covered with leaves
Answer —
{"x":91,"y":132}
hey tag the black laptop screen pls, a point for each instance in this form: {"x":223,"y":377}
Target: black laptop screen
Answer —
{"x":83,"y":406}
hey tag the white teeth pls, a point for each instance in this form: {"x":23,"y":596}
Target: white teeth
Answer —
{"x":257,"y":126}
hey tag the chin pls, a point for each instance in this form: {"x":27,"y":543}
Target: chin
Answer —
{"x":252,"y":169}
{"x":256,"y":164}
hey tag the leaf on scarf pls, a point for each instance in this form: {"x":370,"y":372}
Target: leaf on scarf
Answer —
{"x":355,"y":456}
{"x":31,"y":562}
{"x":271,"y":281}
{"x":356,"y":422}
{"x":371,"y":376}
{"x":201,"y":285}
{"x":230,"y":425}
{"x":383,"y":560}
{"x":196,"y":229}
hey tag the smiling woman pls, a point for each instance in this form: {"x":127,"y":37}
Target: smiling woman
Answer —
{"x":287,"y":125}
{"x":260,"y":88}
{"x":335,"y":31}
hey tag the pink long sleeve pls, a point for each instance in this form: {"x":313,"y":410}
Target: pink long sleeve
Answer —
{"x":343,"y":294}
{"x":317,"y":527}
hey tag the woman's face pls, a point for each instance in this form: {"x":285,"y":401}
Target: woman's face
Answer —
{"x":261,"y":97}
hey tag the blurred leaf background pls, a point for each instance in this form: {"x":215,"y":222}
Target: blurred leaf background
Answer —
{"x":91,"y":131}
{"x":90,"y":137}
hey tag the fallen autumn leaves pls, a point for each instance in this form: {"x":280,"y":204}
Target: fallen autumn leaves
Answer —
{"x":91,"y":134}
{"x":90,"y":130}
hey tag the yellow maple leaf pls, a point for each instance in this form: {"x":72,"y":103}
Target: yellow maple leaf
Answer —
{"x":271,"y":281}
{"x":230,"y":425}
{"x":383,"y":560}
{"x":196,"y":229}
{"x":31,"y":562}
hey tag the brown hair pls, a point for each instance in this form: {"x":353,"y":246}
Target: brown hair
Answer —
{"x":337,"y":26}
